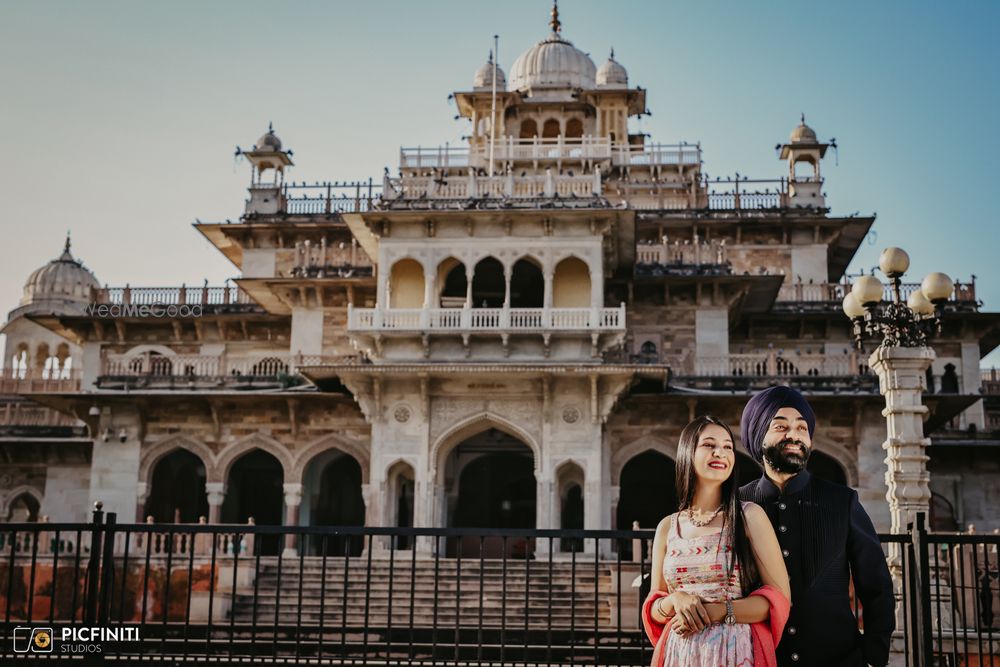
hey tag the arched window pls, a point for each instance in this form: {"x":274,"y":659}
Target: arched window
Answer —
{"x":406,"y":284}
{"x":574,"y":128}
{"x":527,"y":285}
{"x":551,"y":129}
{"x":529,"y":128}
{"x":571,"y":284}
{"x":453,"y":283}
{"x":488,"y":284}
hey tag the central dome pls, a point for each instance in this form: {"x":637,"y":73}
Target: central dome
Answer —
{"x":553,"y":63}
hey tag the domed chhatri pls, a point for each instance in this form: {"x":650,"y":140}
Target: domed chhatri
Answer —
{"x":269,"y":141}
{"x":483,"y":80}
{"x":553,"y":63}
{"x":611,"y":74}
{"x":62,"y":279}
{"x":803,"y":134}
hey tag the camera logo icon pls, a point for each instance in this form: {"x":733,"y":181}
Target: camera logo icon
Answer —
{"x":33,"y":640}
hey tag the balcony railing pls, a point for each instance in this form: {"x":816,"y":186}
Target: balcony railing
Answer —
{"x":485,"y":319}
{"x":33,"y":380}
{"x":472,"y":186}
{"x":328,"y":197}
{"x":773,"y":364}
{"x":203,"y":371}
{"x":547,"y":150}
{"x":828,"y":296}
{"x":172,"y":296}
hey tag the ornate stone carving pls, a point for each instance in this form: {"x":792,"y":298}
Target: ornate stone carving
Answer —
{"x":402,"y":414}
{"x":571,"y":414}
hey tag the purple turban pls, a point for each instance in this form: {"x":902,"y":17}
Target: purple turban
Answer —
{"x":760,"y":410}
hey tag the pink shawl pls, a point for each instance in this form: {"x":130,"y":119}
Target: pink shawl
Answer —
{"x":766,"y":634}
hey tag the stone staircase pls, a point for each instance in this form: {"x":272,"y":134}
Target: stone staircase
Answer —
{"x":469,"y":593}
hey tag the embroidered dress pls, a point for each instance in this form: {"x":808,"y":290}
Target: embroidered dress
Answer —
{"x":697,"y":565}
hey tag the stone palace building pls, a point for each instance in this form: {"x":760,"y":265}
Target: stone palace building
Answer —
{"x":510,"y":333}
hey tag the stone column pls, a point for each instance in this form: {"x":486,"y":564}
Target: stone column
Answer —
{"x":293,"y":500}
{"x":901,"y":373}
{"x":216,"y":492}
{"x":141,"y":494}
{"x":902,"y":380}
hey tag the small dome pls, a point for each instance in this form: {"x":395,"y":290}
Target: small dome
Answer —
{"x":62,"y":279}
{"x":611,"y":74}
{"x":269,"y":141}
{"x":803,"y":134}
{"x":483,"y":79}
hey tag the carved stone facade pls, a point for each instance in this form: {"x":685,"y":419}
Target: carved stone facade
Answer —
{"x":521,"y":326}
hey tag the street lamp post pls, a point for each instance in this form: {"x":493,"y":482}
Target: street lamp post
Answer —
{"x":900,"y":360}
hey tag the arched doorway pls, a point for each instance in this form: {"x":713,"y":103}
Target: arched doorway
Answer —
{"x":826,"y":467}
{"x":637,"y":500}
{"x":254,"y":489}
{"x":569,"y":487}
{"x":332,"y":497}
{"x":489,"y":286}
{"x":23,"y":508}
{"x":527,"y":285}
{"x":402,"y":487}
{"x":177,"y":493}
{"x":490,"y":483}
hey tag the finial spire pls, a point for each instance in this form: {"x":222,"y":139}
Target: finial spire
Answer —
{"x":270,"y":127}
{"x":612,"y":57}
{"x":556,"y":25}
{"x":803,"y":117}
{"x":66,"y":247}
{"x":490,"y":59}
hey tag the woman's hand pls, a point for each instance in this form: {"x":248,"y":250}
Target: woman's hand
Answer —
{"x":690,"y":614}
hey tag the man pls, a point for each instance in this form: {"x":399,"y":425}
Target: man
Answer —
{"x":826,"y":538}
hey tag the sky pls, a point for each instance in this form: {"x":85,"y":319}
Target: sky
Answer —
{"x":120,"y":119}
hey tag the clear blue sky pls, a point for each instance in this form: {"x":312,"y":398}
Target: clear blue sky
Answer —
{"x":120,"y":118}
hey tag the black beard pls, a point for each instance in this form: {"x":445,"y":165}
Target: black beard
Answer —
{"x":787,"y":463}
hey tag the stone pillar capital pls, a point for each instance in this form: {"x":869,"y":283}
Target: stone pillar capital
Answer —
{"x":293,"y":494}
{"x":216,"y":492}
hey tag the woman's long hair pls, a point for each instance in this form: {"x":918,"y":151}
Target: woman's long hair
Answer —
{"x":733,"y":524}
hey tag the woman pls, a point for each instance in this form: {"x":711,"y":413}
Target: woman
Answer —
{"x":720,"y":592}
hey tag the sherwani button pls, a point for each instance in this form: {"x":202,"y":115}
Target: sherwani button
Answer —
{"x":795,"y":656}
{"x":784,"y":552}
{"x":783,"y":529}
{"x":782,"y":506}
{"x":791,"y":630}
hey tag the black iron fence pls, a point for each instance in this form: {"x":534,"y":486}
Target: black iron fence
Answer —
{"x":422,"y":596}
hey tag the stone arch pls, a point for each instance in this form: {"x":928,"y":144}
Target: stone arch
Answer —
{"x":846,"y":460}
{"x":142,"y":349}
{"x":569,"y":504}
{"x":625,"y":454}
{"x":17,"y":492}
{"x":452,"y":281}
{"x":407,"y":283}
{"x":529,"y":128}
{"x":152,"y":455}
{"x":399,"y":490}
{"x":551,"y":128}
{"x":489,"y":282}
{"x":574,"y":128}
{"x":473,"y":425}
{"x":325,"y":443}
{"x":572,"y":283}
{"x":238,"y":449}
{"x":527,"y":283}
